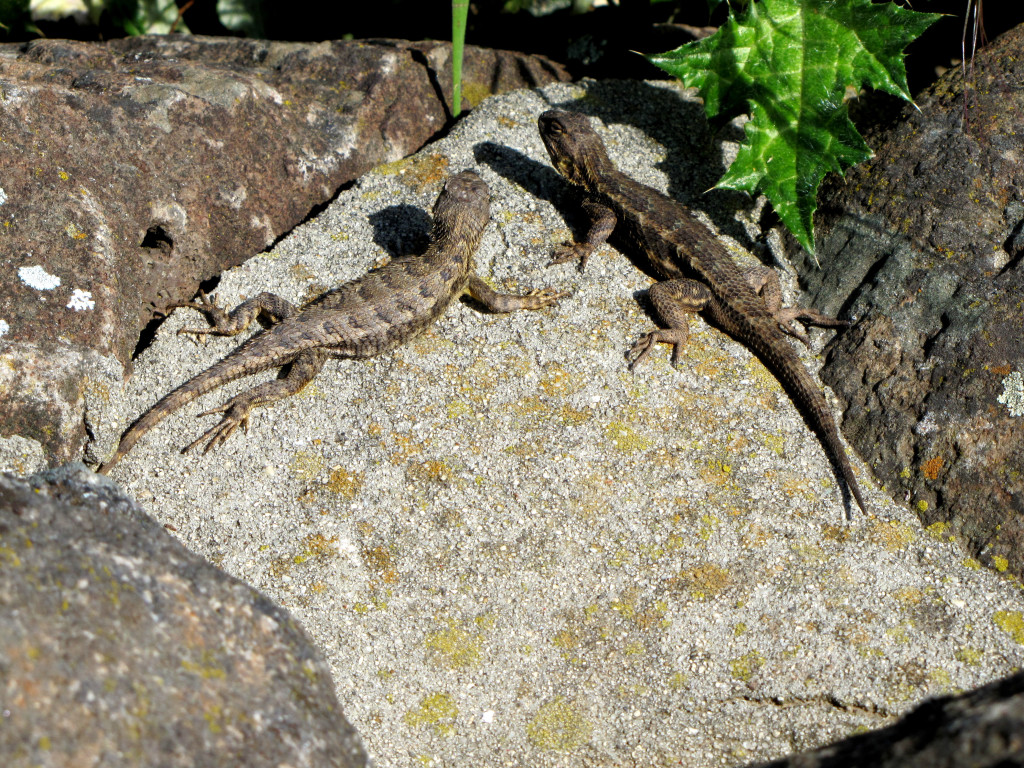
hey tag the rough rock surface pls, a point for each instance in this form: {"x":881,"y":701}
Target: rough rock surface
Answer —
{"x":924,"y":245}
{"x":135,"y":169}
{"x":118,"y":647}
{"x":982,"y":728}
{"x":514,"y":551}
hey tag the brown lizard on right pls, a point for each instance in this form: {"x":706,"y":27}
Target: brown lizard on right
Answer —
{"x":365,"y":317}
{"x":700,"y":274}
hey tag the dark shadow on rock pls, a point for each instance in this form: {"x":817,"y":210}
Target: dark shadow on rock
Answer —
{"x":401,"y":230}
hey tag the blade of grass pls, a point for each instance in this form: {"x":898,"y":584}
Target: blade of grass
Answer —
{"x":460,"y":10}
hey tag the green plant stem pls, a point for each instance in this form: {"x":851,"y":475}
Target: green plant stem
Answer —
{"x":460,"y":10}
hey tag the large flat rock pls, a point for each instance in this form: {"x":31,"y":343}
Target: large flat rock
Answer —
{"x":512,"y":550}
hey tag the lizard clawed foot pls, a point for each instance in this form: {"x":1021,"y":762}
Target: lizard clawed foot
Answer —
{"x":543,"y":297}
{"x":677,"y":337}
{"x":570,"y":252}
{"x":235,"y":415}
{"x":787,"y":317}
{"x":215,"y":314}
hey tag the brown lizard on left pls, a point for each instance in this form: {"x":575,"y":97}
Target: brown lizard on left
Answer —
{"x":362,"y":318}
{"x":699,"y":273}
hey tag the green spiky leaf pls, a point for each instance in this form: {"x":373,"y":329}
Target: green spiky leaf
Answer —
{"x":792,"y":64}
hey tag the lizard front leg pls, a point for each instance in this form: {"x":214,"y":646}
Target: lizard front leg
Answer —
{"x":301,"y":371}
{"x":270,"y":305}
{"x":765,"y":282}
{"x":507,"y":302}
{"x":673,"y":300}
{"x":601,"y":223}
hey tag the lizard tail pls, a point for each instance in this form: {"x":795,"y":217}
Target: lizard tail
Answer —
{"x":232,"y":367}
{"x":781,"y":358}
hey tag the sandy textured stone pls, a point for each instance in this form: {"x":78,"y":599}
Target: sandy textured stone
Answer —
{"x":516,"y":552}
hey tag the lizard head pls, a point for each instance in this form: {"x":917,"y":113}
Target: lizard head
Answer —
{"x":463,"y":208}
{"x":575,"y":148}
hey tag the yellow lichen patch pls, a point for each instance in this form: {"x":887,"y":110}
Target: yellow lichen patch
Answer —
{"x":457,"y":408}
{"x":72,"y":231}
{"x":932,"y":467}
{"x":1000,"y":563}
{"x":419,"y":171}
{"x":838,"y":533}
{"x":717,"y":472}
{"x":405,"y":447}
{"x":746,"y":666}
{"x":319,"y":547}
{"x":891,"y":534}
{"x":207,"y":668}
{"x":899,"y":634}
{"x":705,"y":581}
{"x":754,"y":536}
{"x":433,"y":471}
{"x":908,"y":595}
{"x":381,"y":561}
{"x":776,"y":443}
{"x":708,"y":524}
{"x":455,"y":647}
{"x":939,"y":531}
{"x":941,"y":679}
{"x":624,"y":438}
{"x":808,"y":551}
{"x":560,"y":725}
{"x":558,"y":382}
{"x":762,"y":377}
{"x":305,"y":465}
{"x":344,"y":483}
{"x":970,"y":656}
{"x":437,"y":710}
{"x":474,"y":93}
{"x":477,"y":380}
{"x":1011,"y":622}
{"x":573,"y":417}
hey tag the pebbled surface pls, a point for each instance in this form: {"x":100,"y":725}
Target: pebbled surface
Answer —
{"x":512,"y":550}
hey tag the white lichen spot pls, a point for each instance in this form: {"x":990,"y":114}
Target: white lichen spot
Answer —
{"x":926,"y":425}
{"x":1013,"y":394}
{"x":38,"y":278}
{"x":4,"y":327}
{"x":3,"y":196}
{"x":488,"y":716}
{"x":81,"y":300}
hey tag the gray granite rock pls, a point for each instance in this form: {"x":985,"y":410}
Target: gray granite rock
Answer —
{"x":119,"y":647}
{"x":512,"y":550}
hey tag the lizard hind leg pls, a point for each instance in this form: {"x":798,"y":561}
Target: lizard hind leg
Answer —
{"x":674,"y":301}
{"x":238,"y":409}
{"x":223,"y":323}
{"x":765,"y":282}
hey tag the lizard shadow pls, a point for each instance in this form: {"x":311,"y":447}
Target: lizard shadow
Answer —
{"x":401,"y":230}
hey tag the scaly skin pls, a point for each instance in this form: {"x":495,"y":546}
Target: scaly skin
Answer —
{"x":700,"y":274}
{"x":372,"y":314}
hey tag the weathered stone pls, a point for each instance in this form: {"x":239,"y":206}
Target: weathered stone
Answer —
{"x":120,"y":647}
{"x":923,"y":244}
{"x":135,"y":169}
{"x":982,"y":728}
